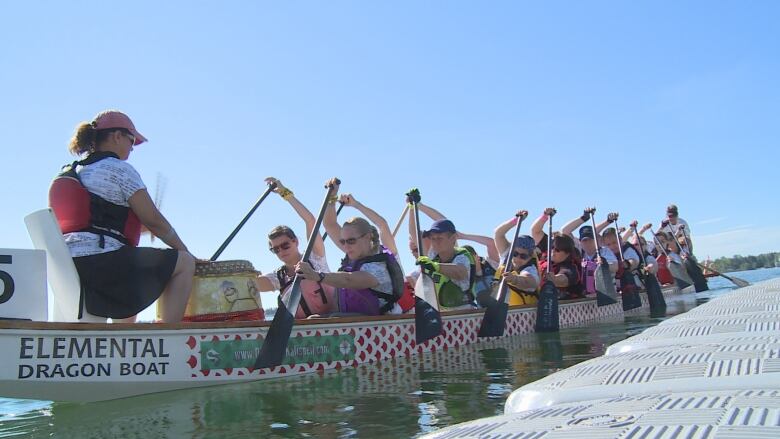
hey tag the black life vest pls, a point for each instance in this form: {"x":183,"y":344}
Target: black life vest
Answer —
{"x":78,"y":210}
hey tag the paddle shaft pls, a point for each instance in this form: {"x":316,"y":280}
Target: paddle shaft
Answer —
{"x":507,"y":262}
{"x":224,"y":245}
{"x":338,"y":211}
{"x":620,"y":243}
{"x":400,"y":220}
{"x":549,"y":245}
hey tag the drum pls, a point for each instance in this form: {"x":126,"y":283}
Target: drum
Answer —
{"x":224,"y":290}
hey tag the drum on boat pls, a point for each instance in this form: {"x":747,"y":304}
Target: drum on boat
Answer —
{"x":224,"y":290}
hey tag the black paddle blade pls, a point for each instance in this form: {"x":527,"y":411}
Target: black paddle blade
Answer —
{"x":605,"y":286}
{"x":699,"y":281}
{"x":654,"y":295}
{"x":275,"y":344}
{"x":629,"y":292}
{"x":494,"y":320}
{"x":547,"y":309}
{"x":427,"y":321}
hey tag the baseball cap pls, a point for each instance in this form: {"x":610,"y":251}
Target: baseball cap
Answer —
{"x":441,"y":226}
{"x":116,"y":119}
{"x":586,"y":232}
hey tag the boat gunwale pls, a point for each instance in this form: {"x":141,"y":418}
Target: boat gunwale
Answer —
{"x":153,"y":326}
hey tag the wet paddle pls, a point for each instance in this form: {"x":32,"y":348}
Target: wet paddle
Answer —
{"x":497,"y":308}
{"x":338,"y":211}
{"x":681,"y":278}
{"x":654,"y":294}
{"x":271,"y":187}
{"x":400,"y":220}
{"x":691,"y":265}
{"x":275,"y":344}
{"x":427,"y":318}
{"x":628,"y":287}
{"x":735,"y":280}
{"x":547,"y":307}
{"x":605,"y":285}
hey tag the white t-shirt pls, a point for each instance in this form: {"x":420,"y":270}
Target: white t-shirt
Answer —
{"x":382,"y":275}
{"x":630,"y":253}
{"x":319,"y":263}
{"x":115,"y":181}
{"x":606,"y":254}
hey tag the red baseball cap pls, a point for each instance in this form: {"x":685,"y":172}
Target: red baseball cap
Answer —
{"x":116,"y":119}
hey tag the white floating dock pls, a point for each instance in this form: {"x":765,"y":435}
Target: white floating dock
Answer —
{"x":713,"y":372}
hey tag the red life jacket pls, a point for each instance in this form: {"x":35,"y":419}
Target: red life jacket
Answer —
{"x":78,"y":210}
{"x":664,"y":275}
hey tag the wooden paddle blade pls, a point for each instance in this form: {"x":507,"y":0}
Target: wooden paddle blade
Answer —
{"x":654,"y":295}
{"x":494,"y":320}
{"x":699,"y":281}
{"x":427,"y":321}
{"x":605,"y":286}
{"x":275,"y":344}
{"x":742,"y":283}
{"x":547,"y":309}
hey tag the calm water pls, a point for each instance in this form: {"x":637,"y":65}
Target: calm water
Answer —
{"x":399,"y":398}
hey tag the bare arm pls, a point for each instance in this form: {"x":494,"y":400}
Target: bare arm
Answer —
{"x":264,"y":284}
{"x":523,"y":281}
{"x":611,"y":217}
{"x":143,"y":206}
{"x":303,"y":213}
{"x":353,"y":280}
{"x":385,"y":234}
{"x":537,"y":228}
{"x":499,"y":236}
{"x":431,"y":212}
{"x":484,"y":240}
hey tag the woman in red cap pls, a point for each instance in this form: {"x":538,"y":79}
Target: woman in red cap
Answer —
{"x":100,"y":203}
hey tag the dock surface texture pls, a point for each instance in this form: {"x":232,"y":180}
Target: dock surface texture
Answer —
{"x":711,"y":373}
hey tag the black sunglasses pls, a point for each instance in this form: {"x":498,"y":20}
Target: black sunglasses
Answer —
{"x":283,"y":246}
{"x":521,"y":255}
{"x":351,"y":241}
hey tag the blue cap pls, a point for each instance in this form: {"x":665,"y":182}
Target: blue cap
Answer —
{"x":525,"y":242}
{"x":586,"y":232}
{"x":442,"y":226}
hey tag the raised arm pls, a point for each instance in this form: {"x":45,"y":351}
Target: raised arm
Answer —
{"x":492,"y":253}
{"x":431,"y":212}
{"x":569,"y":227}
{"x":414,"y":193}
{"x":385,"y":234}
{"x":611,"y":218}
{"x":302,"y":211}
{"x":499,"y":235}
{"x":537,"y":228}
{"x":329,"y":221}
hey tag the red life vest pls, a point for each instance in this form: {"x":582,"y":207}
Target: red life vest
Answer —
{"x":78,"y":210}
{"x":316,"y":298}
{"x":664,"y":275}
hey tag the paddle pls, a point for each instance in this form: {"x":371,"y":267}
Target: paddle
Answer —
{"x":338,"y":211}
{"x":691,"y":265}
{"x":737,"y":281}
{"x":679,"y":274}
{"x":271,"y":187}
{"x":494,"y":320}
{"x":631,"y":299}
{"x":654,"y":294}
{"x":605,"y":285}
{"x":427,"y":319}
{"x":400,"y":220}
{"x":547,"y":307}
{"x":275,"y":343}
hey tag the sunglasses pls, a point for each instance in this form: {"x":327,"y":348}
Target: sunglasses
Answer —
{"x":521,"y":255}
{"x":283,"y":246}
{"x":351,"y":241}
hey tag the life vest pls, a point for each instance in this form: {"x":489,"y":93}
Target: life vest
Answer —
{"x":485,"y":281}
{"x":663,"y":274}
{"x":625,"y":282}
{"x":589,"y":267}
{"x":518,"y":296}
{"x":572,"y":291}
{"x":78,"y":210}
{"x":366,"y":300}
{"x":448,"y":292}
{"x":316,"y":298}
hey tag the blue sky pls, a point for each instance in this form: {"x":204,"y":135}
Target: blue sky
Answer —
{"x":487,"y":107}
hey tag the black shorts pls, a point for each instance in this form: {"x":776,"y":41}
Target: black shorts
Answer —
{"x":122,"y":283}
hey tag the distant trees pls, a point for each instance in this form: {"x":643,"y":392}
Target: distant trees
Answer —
{"x":741,"y":263}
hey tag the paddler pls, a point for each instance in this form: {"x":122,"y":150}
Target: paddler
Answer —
{"x":523,"y":279}
{"x":591,"y":258}
{"x":628,"y":257}
{"x":317,"y":298}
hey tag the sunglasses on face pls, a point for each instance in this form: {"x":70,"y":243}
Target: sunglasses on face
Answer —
{"x":351,"y":241}
{"x":283,"y":246}
{"x":521,"y":255}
